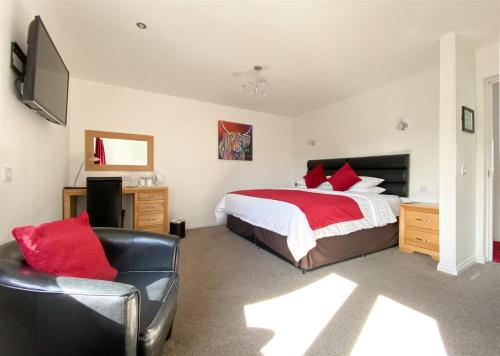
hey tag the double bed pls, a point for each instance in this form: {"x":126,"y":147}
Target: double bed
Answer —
{"x":283,"y":229}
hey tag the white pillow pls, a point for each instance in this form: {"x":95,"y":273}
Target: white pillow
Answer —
{"x":374,"y":190}
{"x":323,"y":186}
{"x":367,"y":182}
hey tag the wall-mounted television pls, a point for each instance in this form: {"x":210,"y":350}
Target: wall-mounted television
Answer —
{"x":46,"y":77}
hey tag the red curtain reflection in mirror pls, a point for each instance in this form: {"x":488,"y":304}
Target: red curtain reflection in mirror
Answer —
{"x":99,"y":151}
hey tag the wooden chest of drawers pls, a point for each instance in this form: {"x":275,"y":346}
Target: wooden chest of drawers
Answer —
{"x":151,"y":210}
{"x":419,"y":229}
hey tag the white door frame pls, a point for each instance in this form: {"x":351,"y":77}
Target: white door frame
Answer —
{"x":489,"y":157}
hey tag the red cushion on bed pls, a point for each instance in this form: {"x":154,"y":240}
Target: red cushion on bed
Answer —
{"x":65,"y":248}
{"x":315,"y":176}
{"x":344,"y":178}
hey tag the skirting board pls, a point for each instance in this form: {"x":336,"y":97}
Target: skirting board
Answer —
{"x":458,"y":269}
{"x":480,"y":259}
{"x":200,"y":224}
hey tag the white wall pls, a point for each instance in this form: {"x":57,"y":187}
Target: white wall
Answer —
{"x":466,"y":156}
{"x":36,"y":150}
{"x":457,"y":150}
{"x":365,"y":125}
{"x":447,"y":154}
{"x":185,"y":134}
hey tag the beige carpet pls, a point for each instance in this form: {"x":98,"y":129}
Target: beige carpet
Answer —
{"x":386,"y":303}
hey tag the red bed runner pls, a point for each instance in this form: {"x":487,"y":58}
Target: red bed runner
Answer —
{"x":320,"y":209}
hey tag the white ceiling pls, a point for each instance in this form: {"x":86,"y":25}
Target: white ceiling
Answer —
{"x":316,"y":52}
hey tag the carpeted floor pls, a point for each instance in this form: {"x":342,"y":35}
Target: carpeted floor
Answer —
{"x":236,"y":299}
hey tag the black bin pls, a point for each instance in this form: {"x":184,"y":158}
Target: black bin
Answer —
{"x":178,"y":228}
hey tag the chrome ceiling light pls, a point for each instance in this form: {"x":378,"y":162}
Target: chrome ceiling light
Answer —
{"x":259,"y":86}
{"x":141,"y":25}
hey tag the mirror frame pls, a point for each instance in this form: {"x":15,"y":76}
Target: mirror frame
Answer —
{"x":89,"y":151}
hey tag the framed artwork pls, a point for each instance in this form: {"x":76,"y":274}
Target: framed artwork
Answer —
{"x":467,"y":120}
{"x":235,"y":141}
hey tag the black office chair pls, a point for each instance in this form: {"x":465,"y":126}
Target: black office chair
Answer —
{"x":104,"y":201}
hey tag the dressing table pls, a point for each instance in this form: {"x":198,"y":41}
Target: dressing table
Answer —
{"x":114,"y":151}
{"x":150,"y":206}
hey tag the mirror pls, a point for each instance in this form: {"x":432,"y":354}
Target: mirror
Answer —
{"x":113,"y":151}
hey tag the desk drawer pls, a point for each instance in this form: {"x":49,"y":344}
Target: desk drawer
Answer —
{"x":150,"y":196}
{"x":149,"y":220}
{"x":422,"y":239}
{"x":422,"y":219}
{"x":148,"y":206}
{"x":158,"y":229}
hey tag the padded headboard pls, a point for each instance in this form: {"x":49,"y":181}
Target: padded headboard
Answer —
{"x":395,"y":169}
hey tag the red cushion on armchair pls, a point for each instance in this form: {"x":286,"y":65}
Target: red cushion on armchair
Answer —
{"x":66,"y":248}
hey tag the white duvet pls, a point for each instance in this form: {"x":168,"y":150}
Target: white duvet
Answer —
{"x":288,"y":220}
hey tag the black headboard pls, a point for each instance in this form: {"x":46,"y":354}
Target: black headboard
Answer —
{"x":394,"y":169}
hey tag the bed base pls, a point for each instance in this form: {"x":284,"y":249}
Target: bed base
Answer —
{"x":328,"y":250}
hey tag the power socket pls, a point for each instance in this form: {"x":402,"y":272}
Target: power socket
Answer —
{"x":6,"y":174}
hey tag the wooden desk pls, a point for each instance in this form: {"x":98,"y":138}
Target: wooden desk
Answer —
{"x":150,"y":206}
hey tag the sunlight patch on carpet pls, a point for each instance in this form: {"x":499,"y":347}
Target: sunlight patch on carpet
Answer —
{"x":297,"y":318}
{"x":395,"y":329}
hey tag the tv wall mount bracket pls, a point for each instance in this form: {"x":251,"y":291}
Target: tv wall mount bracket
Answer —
{"x":17,"y":60}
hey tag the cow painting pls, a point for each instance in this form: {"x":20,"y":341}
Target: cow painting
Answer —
{"x":235,"y":141}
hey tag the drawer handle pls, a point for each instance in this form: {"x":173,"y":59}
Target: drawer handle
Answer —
{"x":423,"y":220}
{"x":423,"y":240}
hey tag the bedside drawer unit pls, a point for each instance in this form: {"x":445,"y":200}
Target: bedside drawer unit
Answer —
{"x":419,"y":229}
{"x":422,"y":219}
{"x":422,"y":239}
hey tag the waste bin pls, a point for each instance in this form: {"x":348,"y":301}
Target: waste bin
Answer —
{"x":178,"y":228}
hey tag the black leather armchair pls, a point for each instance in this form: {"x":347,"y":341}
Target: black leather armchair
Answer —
{"x":41,"y":314}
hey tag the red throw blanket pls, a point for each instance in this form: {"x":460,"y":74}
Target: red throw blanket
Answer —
{"x":320,"y":209}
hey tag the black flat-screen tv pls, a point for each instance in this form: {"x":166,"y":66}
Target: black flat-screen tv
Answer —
{"x":46,"y":77}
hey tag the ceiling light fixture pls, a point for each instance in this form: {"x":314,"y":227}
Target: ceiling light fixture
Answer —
{"x":257,"y":87}
{"x":141,"y":25}
{"x":402,"y":124}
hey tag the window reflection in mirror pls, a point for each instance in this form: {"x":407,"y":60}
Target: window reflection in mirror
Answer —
{"x":113,"y":151}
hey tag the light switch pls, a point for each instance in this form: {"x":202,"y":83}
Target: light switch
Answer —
{"x":6,"y":174}
{"x":463,"y":170}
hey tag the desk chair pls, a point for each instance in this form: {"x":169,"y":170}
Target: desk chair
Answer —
{"x":104,"y":201}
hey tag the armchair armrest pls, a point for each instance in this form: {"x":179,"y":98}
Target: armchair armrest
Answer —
{"x":130,"y":250}
{"x":46,"y":314}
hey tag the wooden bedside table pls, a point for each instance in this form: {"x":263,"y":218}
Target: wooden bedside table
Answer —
{"x":419,"y":229}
